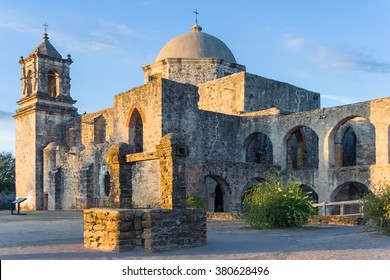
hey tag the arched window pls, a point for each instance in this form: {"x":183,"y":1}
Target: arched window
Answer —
{"x":99,"y":130}
{"x":349,"y":147}
{"x":354,"y":143}
{"x":29,"y":83}
{"x":52,"y":83}
{"x":258,"y":147}
{"x":136,"y":132}
{"x":302,"y":148}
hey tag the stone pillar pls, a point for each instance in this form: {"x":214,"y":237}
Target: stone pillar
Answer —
{"x":338,"y":154}
{"x":121,"y":176}
{"x":172,"y":152}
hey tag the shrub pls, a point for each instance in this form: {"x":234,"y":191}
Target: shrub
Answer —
{"x":194,"y":202}
{"x":376,"y":210}
{"x":274,"y":203}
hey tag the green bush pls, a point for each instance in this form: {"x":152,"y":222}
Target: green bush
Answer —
{"x":274,"y":203}
{"x":7,"y":172}
{"x":194,"y":202}
{"x":376,"y":210}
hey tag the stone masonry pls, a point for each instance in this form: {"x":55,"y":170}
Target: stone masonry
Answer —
{"x":171,"y":227}
{"x":236,"y":125}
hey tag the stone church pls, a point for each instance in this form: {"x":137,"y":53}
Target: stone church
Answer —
{"x":237,"y":125}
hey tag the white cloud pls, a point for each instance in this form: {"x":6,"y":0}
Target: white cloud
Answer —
{"x":350,"y":60}
{"x":103,"y":37}
{"x":17,"y":22}
{"x":6,"y":116}
{"x":293,"y":42}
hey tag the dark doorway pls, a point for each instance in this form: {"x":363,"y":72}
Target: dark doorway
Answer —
{"x":218,"y":200}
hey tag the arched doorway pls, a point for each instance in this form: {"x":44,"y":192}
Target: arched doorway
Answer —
{"x":136,"y":129}
{"x":218,"y":199}
{"x":218,"y":194}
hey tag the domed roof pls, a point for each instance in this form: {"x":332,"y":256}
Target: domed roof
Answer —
{"x":196,"y":44}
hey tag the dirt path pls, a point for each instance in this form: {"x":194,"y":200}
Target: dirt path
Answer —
{"x":59,"y":235}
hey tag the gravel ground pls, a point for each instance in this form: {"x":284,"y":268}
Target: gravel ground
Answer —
{"x":59,"y":235}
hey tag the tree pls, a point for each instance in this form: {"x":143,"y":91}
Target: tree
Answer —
{"x":7,"y":172}
{"x":376,"y":208}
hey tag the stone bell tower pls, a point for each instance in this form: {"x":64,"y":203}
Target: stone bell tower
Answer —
{"x":45,"y":106}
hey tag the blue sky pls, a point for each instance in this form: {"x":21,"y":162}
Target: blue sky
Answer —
{"x":340,"y":49}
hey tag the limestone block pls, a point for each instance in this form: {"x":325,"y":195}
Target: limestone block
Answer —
{"x":137,"y":223}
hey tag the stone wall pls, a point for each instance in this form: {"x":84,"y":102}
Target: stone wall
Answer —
{"x":245,"y":92}
{"x":155,"y":230}
{"x":191,"y":70}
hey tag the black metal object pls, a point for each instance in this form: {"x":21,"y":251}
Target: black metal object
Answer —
{"x":17,"y":202}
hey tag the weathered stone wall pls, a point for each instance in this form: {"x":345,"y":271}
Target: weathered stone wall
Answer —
{"x":25,"y":157}
{"x":155,"y":230}
{"x":89,"y":129}
{"x":191,"y":70}
{"x":147,"y":99}
{"x":245,"y":92}
{"x":37,"y":124}
{"x":225,"y":95}
{"x":146,"y":181}
{"x":233,"y":178}
{"x":262,"y":93}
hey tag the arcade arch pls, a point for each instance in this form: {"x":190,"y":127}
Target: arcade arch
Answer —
{"x":258,"y":148}
{"x":218,"y":194}
{"x":348,"y":191}
{"x":302,"y":148}
{"x":352,"y":142}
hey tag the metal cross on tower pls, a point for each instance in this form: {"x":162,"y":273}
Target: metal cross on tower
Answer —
{"x":45,"y":26}
{"x":196,"y":15}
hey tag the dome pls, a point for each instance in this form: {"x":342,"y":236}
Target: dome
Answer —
{"x":196,"y":44}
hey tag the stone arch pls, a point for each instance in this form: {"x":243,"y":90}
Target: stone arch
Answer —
{"x":310,"y":191}
{"x":351,"y":190}
{"x":99,"y":129}
{"x":135,"y":124}
{"x":258,"y":148}
{"x":302,"y":148}
{"x":53,"y":83}
{"x":247,"y":188}
{"x":352,"y":142}
{"x":218,"y":194}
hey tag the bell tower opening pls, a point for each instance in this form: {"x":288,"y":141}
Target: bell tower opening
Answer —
{"x":53,"y":83}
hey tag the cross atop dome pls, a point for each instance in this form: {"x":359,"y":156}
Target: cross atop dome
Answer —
{"x":196,"y":16}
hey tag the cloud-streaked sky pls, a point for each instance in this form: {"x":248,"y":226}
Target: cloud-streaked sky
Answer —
{"x":340,"y":49}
